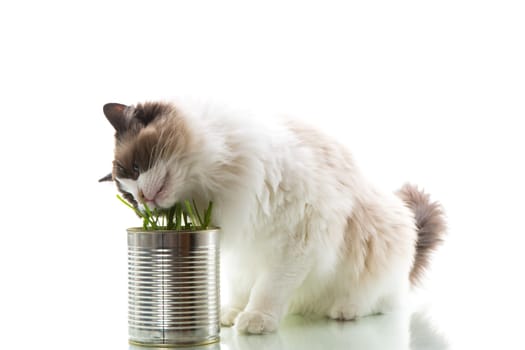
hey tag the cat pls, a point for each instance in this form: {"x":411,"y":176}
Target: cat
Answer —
{"x":303,"y":231}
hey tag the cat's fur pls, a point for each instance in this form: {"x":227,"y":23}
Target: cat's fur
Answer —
{"x":302,"y":229}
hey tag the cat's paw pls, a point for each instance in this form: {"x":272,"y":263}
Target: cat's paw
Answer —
{"x":228,"y":315}
{"x":256,"y":322}
{"x":343,"y":312}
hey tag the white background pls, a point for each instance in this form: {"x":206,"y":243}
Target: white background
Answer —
{"x":426,"y":92}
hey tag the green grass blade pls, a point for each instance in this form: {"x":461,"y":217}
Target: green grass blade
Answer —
{"x":170,"y":223}
{"x":207,"y":215}
{"x":193,"y":218}
{"x":126,"y":203}
{"x":151,"y":218}
{"x":196,"y":210}
{"x":178,"y":216}
{"x":183,"y":215}
{"x":187,"y":224}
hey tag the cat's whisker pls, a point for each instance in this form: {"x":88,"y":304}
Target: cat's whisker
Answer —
{"x":163,"y":140}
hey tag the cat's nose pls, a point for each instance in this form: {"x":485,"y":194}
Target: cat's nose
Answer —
{"x":144,"y":199}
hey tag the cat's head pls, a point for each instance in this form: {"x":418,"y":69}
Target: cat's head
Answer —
{"x":151,"y":143}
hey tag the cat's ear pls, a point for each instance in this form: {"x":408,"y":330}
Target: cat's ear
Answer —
{"x":117,"y":115}
{"x":108,"y":177}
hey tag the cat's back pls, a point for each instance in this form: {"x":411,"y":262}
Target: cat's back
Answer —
{"x":290,"y":155}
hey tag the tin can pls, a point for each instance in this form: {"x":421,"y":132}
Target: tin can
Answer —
{"x":173,"y":285}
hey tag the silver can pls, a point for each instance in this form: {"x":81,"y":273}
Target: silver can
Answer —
{"x":173,"y":281}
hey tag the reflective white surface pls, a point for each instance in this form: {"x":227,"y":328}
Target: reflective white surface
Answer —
{"x":378,"y":332}
{"x":395,"y":332}
{"x":426,"y":92}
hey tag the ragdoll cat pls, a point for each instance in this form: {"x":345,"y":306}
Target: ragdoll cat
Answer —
{"x":302,"y":229}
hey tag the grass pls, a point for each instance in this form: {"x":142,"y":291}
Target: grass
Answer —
{"x":182,"y":216}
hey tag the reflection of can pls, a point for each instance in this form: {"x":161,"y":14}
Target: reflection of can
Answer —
{"x":173,"y":280}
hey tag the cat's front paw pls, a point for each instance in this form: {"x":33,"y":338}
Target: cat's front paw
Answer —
{"x":256,"y":322}
{"x":228,"y":315}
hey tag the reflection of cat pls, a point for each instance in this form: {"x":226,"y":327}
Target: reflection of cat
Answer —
{"x":302,"y":229}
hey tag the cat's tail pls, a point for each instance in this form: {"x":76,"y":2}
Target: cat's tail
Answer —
{"x":430,"y":223}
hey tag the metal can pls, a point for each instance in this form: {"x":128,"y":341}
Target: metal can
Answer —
{"x":173,"y":284}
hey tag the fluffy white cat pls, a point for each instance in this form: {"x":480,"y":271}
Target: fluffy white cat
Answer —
{"x":303,"y":231}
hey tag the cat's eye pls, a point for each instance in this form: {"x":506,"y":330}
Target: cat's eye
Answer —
{"x":135,"y":168}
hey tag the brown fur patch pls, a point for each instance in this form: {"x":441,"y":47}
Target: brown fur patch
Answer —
{"x":323,"y":146}
{"x":156,"y":131}
{"x":430,"y":223}
{"x":368,"y":239}
{"x":148,"y":111}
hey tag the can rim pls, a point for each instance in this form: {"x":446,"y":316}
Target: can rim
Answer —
{"x":142,"y":230}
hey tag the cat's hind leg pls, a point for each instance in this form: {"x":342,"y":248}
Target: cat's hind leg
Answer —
{"x":345,"y":309}
{"x":362,"y":302}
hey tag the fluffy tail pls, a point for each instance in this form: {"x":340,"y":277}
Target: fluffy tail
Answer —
{"x":431,"y":227}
